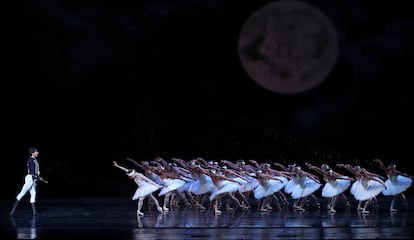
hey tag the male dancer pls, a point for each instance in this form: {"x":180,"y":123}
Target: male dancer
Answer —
{"x":30,"y":181}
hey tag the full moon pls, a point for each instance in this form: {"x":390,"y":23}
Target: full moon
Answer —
{"x":288,"y":46}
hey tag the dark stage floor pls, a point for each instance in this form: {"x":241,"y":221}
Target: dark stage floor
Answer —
{"x":115,"y":218}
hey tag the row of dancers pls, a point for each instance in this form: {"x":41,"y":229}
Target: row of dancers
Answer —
{"x":204,"y":184}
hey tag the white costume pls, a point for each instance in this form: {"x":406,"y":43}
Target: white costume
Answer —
{"x":144,"y":187}
{"x":202,"y":185}
{"x":365,"y":189}
{"x":269,"y":187}
{"x":225,"y":186}
{"x":171,"y":184}
{"x":396,"y":185}
{"x":305,"y":187}
{"x":335,"y":187}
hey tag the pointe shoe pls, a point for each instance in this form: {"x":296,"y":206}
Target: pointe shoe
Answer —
{"x":217,"y":212}
{"x":268,"y":207}
{"x":393,"y":210}
{"x":165,"y":209}
{"x":159,"y":209}
{"x":140,"y":213}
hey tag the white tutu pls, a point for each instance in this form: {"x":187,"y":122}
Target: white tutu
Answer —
{"x":331,"y":189}
{"x":263,"y":190}
{"x":365,"y":190}
{"x":304,"y":188}
{"x":290,"y":185}
{"x":187,"y":184}
{"x":277,"y":185}
{"x":202,"y":185}
{"x":397,"y":185}
{"x":144,"y":189}
{"x":224,"y":186}
{"x":251,"y":184}
{"x":171,"y":184}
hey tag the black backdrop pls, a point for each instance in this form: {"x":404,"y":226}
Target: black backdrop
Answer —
{"x":89,"y":83}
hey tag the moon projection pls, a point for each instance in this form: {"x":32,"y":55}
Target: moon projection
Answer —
{"x":288,"y":46}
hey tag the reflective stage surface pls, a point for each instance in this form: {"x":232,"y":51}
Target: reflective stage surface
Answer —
{"x":115,"y":218}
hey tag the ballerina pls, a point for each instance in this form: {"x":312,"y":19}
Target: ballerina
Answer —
{"x":293,"y":179}
{"x":305,"y":184}
{"x":239,"y":189}
{"x":145,"y":188}
{"x":171,"y":182}
{"x":396,"y":183}
{"x":223,"y":186}
{"x":277,"y":182}
{"x":246,"y":172}
{"x":202,"y":185}
{"x":335,"y":185}
{"x":366,"y":187}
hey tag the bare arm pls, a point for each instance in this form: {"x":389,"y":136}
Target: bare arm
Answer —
{"x":348,"y":167}
{"x":378,"y":180}
{"x":203,"y":162}
{"x":281,"y":166}
{"x":162,"y":160}
{"x":341,"y":176}
{"x":404,"y":174}
{"x":135,"y":162}
{"x":183,"y":163}
{"x":230,"y":164}
{"x":370,"y":174}
{"x":236,"y":174}
{"x":315,"y":168}
{"x":182,"y":171}
{"x":380,"y":163}
{"x":227,"y":178}
{"x":267,"y":176}
{"x":279,"y":173}
{"x":120,"y":167}
{"x":148,"y":180}
{"x":311,"y":176}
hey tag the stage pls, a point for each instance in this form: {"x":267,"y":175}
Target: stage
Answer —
{"x":115,"y":218}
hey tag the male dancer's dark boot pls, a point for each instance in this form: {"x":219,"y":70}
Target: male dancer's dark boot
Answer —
{"x":34,"y":209}
{"x":14,"y":207}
